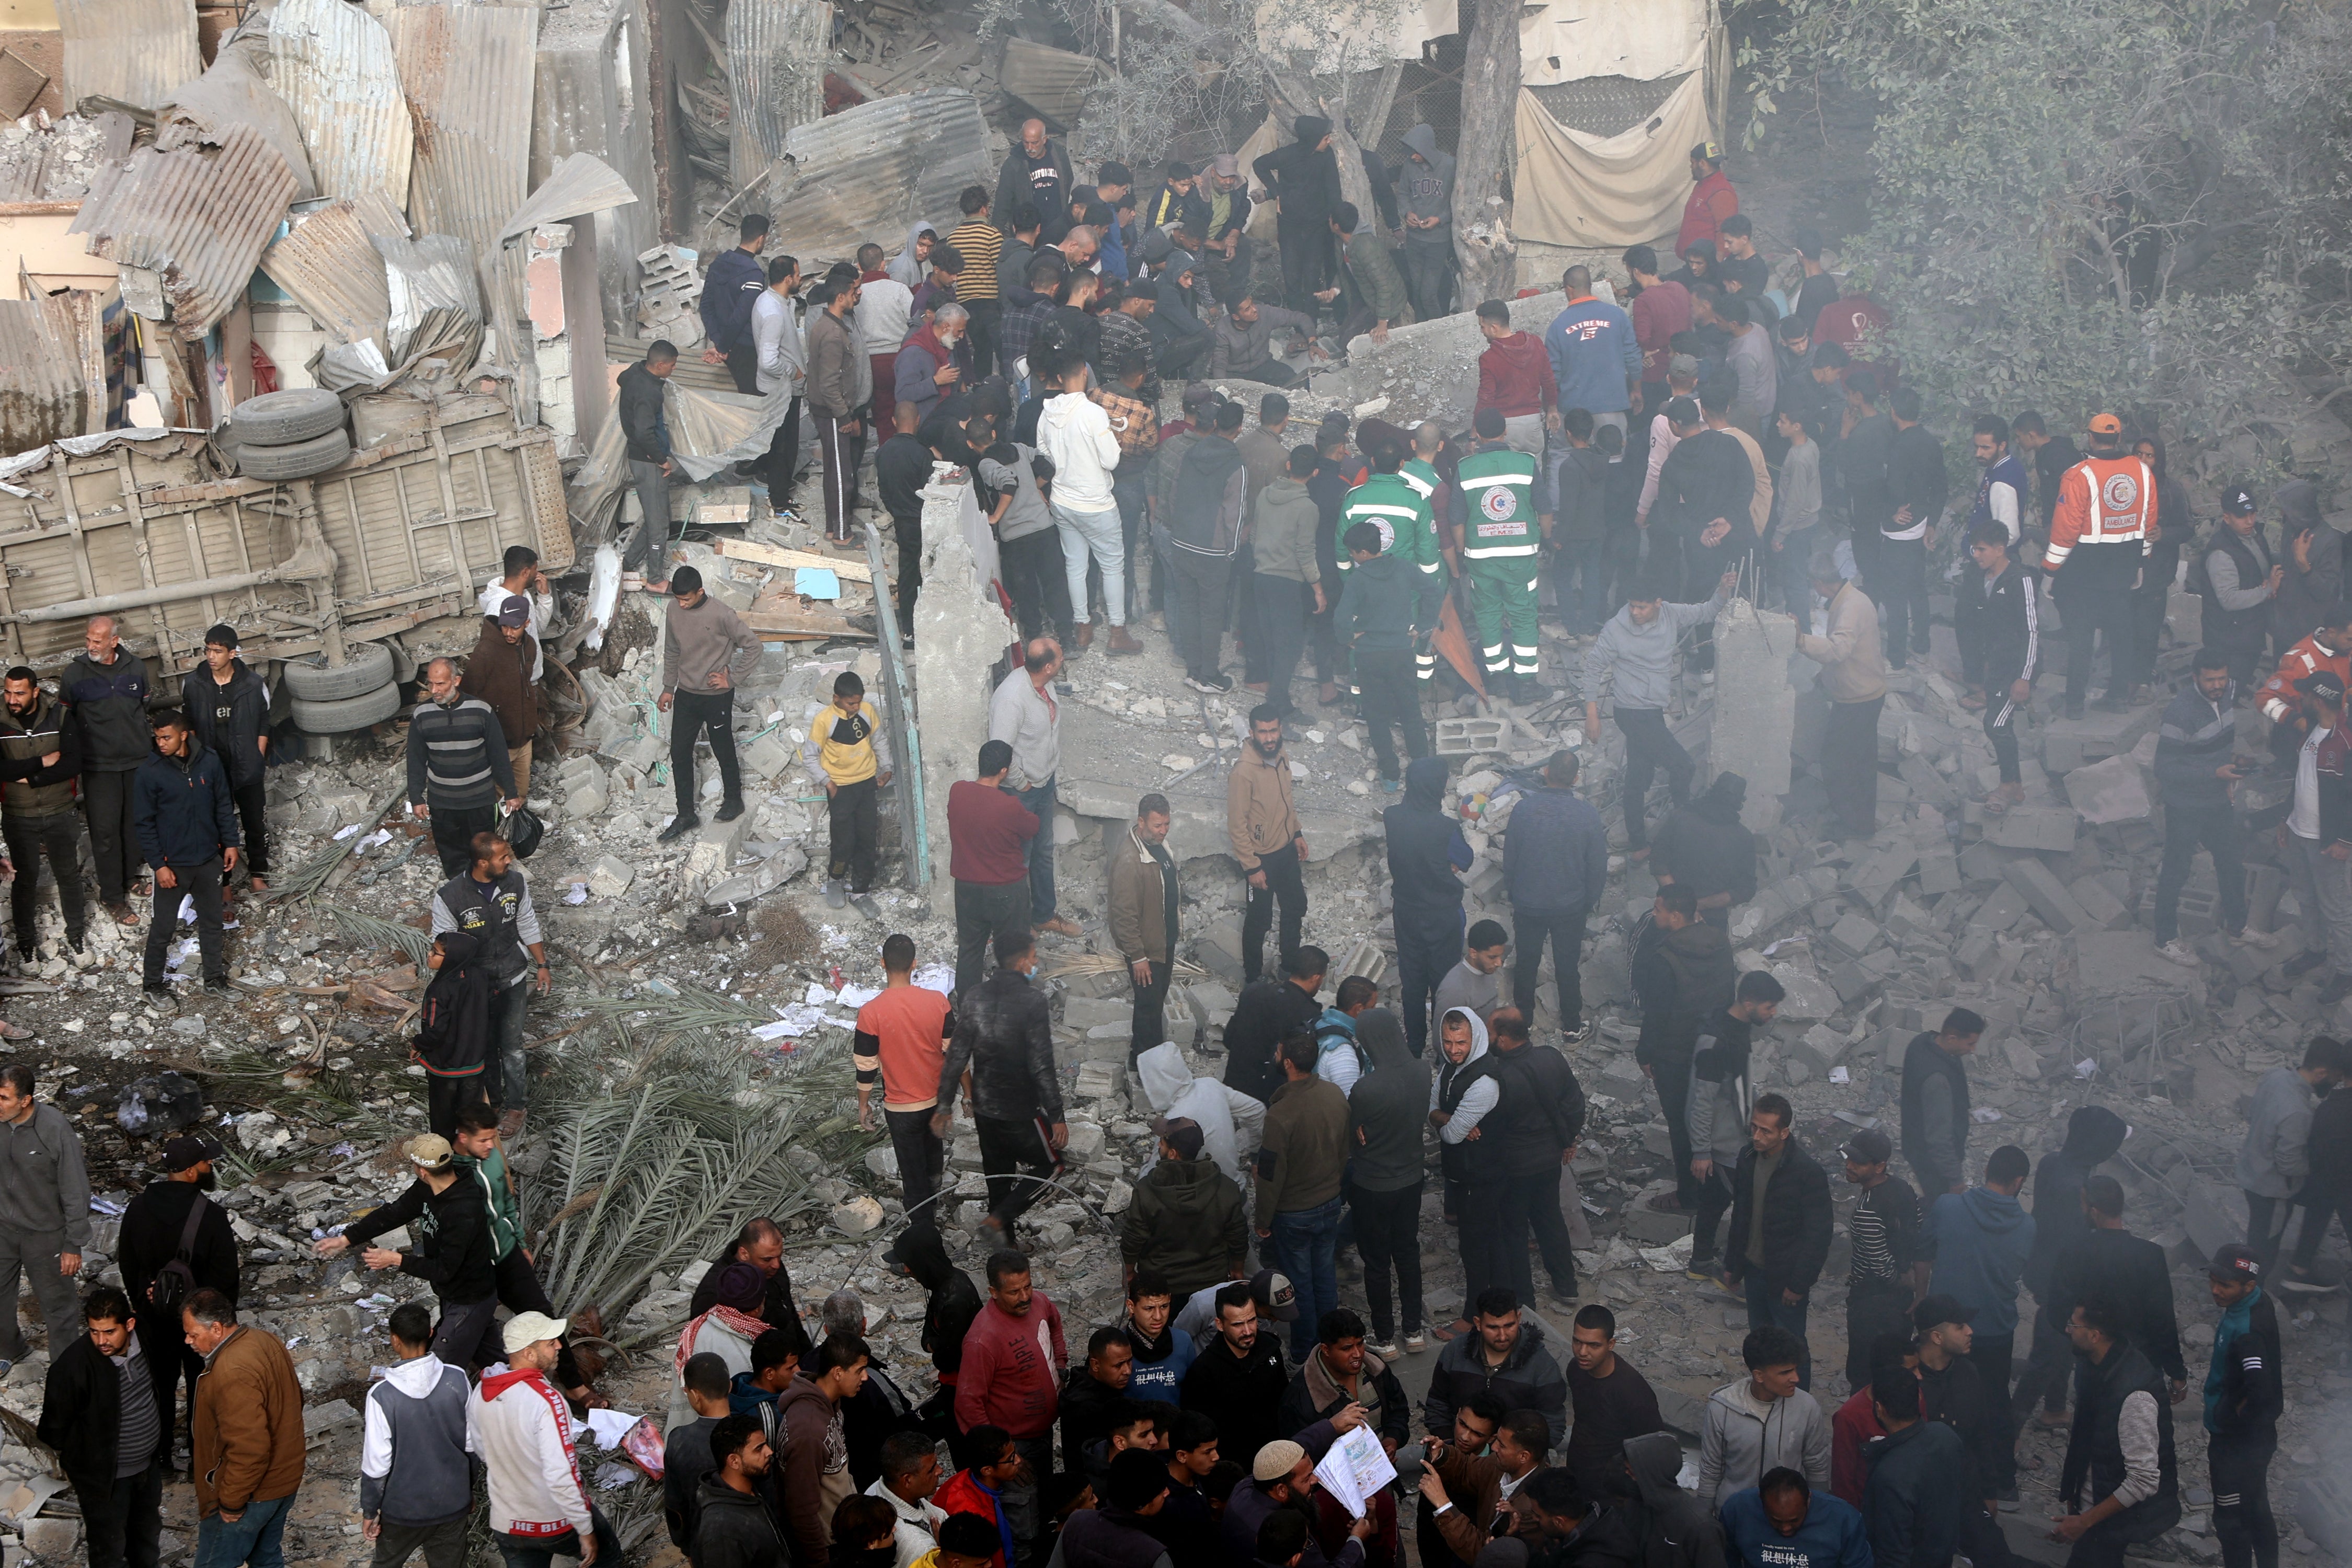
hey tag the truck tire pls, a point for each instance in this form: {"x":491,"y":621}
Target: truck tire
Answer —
{"x":296,"y":460}
{"x":346,"y":714}
{"x":310,"y":680}
{"x":283,"y":418}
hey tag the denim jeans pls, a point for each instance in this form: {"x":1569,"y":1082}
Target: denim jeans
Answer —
{"x":1306,"y":1247}
{"x":1102,"y":535}
{"x":256,"y":1537}
{"x":1039,"y":800}
{"x":1765,"y":1306}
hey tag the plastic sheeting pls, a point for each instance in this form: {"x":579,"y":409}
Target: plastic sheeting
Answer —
{"x":1576,"y":189}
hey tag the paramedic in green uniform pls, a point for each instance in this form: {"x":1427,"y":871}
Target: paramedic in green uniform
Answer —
{"x":1501,"y":532}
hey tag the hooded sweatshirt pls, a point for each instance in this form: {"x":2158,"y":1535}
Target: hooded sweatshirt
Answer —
{"x":1428,"y":188}
{"x":1185,"y":1220}
{"x":2274,"y":1159}
{"x":1514,"y":376}
{"x":414,"y":1465}
{"x":1076,"y":434}
{"x":1634,"y":663}
{"x":1678,"y":1529}
{"x":1229,"y":1119}
{"x":1426,"y":852}
{"x":1704,"y":847}
{"x":1742,"y":1436}
{"x":1979,"y":1240}
{"x":1282,"y":537}
{"x":1465,"y":1094}
{"x":903,"y":267}
{"x":1387,"y":1108}
{"x":1529,"y":1379}
{"x":2093,"y":1133}
{"x":1305,"y":180}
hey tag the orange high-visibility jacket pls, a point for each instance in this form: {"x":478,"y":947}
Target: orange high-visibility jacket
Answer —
{"x":2101,"y":501}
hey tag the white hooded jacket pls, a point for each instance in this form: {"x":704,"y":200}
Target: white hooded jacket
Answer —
{"x":1480,"y":1097}
{"x":1229,"y":1119}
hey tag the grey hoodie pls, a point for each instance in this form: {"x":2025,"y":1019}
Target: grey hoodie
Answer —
{"x":1387,"y":1106}
{"x":1427,"y":187}
{"x":1480,"y":1097}
{"x":1635,"y":663}
{"x":1677,"y":1531}
{"x":2273,"y":1160}
{"x":1742,"y":1436}
{"x":903,"y":267}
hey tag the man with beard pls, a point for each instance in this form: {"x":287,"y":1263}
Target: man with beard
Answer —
{"x":1239,"y":1378}
{"x":458,"y":769}
{"x":40,"y":756}
{"x":1263,"y":823}
{"x":186,"y":822}
{"x":172,"y":1226}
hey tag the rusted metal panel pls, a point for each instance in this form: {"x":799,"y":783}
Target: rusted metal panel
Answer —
{"x":332,"y":64}
{"x":196,"y":217}
{"x":135,"y":51}
{"x":582,"y":183}
{"x":235,"y":92}
{"x":467,"y":71}
{"x":1050,"y":81}
{"x":328,"y":263}
{"x":43,"y":389}
{"x":776,"y":51}
{"x":877,"y":169}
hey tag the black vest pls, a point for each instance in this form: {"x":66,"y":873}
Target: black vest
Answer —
{"x":1924,"y":1060}
{"x":2232,"y":628}
{"x":2097,"y":1451}
{"x":1480,"y":1161}
{"x":490,"y":920}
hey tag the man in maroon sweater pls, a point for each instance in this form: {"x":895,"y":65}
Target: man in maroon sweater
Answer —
{"x":989,"y":832}
{"x":1515,"y":378}
{"x":1660,"y":309}
{"x":1012,"y":1355}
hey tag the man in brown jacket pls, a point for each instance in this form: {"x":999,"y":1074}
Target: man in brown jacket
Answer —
{"x":833,"y":397}
{"x":246,"y":1435}
{"x":1853,"y":677}
{"x":499,"y":672}
{"x":1267,"y":841}
{"x":1143,"y":896}
{"x":1300,"y":1163}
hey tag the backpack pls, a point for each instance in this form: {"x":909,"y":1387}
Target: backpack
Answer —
{"x":175,"y":1281}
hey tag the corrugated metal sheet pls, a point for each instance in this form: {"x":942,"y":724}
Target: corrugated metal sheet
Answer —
{"x":331,"y":267}
{"x":135,"y":50}
{"x":582,"y":183}
{"x":776,"y":52}
{"x":879,"y":169}
{"x":467,"y":71}
{"x":235,"y":92}
{"x":332,"y":64}
{"x":198,"y":216}
{"x":1049,"y":80}
{"x":429,"y":274}
{"x":43,"y":392}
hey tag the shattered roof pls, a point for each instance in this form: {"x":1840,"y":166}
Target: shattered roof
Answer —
{"x":879,"y":169}
{"x":582,"y":183}
{"x":332,"y":64}
{"x":135,"y":51}
{"x":198,"y":216}
{"x":468,"y":71}
{"x":328,"y":263}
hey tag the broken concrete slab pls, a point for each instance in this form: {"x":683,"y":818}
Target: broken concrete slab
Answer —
{"x":2047,"y":896}
{"x":2100,"y":903}
{"x":2050,"y":829}
{"x":2113,"y":791}
{"x":1429,"y":368}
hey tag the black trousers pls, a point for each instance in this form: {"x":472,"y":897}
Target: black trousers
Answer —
{"x":454,"y":828}
{"x":516,"y":1280}
{"x":1426,"y":955}
{"x":981,"y":910}
{"x":908,"y":532}
{"x":1531,"y":1202}
{"x":113,"y":836}
{"x":203,"y":883}
{"x":922,"y":1161}
{"x":1649,"y":747}
{"x":1388,"y":1233}
{"x":838,"y":451}
{"x":467,"y":1334}
{"x":1008,"y":1149}
{"x":446,"y":1094}
{"x":1391,"y":695}
{"x":1714,"y":1203}
{"x":1850,"y":765}
{"x":2000,"y":722}
{"x":784,"y":456}
{"x":2243,"y":1520}
{"x":1038,"y":580}
{"x":2148,"y":606}
{"x":743,"y":365}
{"x":1197,"y":619}
{"x":1565,"y":927}
{"x":1991,"y":1354}
{"x":1148,"y":1026}
{"x":985,"y":315}
{"x":853,"y":819}
{"x":2095,"y":598}
{"x":1283,"y":606}
{"x":692,"y":714}
{"x":2185,"y":828}
{"x":170,"y":1361}
{"x":57,"y":836}
{"x":1670,"y":1075}
{"x":253,"y":822}
{"x":123,"y":1519}
{"x":1283,"y":881}
{"x":1898,"y":581}
{"x":1179,"y":358}
{"x":2105,"y":1544}
{"x":1873,"y":1308}
{"x":1307,"y":262}
{"x":1479,"y":1211}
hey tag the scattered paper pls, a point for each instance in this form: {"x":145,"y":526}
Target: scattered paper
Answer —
{"x":857,"y":996}
{"x":342,"y":833}
{"x":1838,"y":1074}
{"x":1674,"y":1258}
{"x":2086,"y":1067}
{"x":381,"y":836}
{"x":1355,"y":1469}
{"x":1983,"y":1114}
{"x":940,"y":977}
{"x":578,"y":895}
{"x":610,"y":1427}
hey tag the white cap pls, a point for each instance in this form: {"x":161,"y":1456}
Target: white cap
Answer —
{"x":529,"y":1328}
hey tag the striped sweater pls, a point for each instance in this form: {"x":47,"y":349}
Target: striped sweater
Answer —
{"x":458,"y":755}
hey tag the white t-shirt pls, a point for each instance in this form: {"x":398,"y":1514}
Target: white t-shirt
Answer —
{"x":881,"y":311}
{"x":494,"y":595}
{"x":2303,"y":821}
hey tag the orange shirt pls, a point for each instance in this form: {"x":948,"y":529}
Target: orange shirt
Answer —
{"x":904,"y":1032}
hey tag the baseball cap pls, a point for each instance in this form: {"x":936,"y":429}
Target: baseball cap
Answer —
{"x":1199,"y":395}
{"x":515,"y":611}
{"x":529,"y":1328}
{"x":2107,"y":424}
{"x":2238,"y":1263}
{"x":1869,"y":1146}
{"x":1273,"y":1295}
{"x":187,"y":1150}
{"x":686,"y":580}
{"x":1183,"y":1134}
{"x":2238,"y":499}
{"x":2323,"y":684}
{"x":1938,"y":1310}
{"x":1682,"y":365}
{"x":429,"y":1152}
{"x":1276,"y":1461}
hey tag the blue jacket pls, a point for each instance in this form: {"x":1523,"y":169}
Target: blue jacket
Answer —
{"x":729,"y":290}
{"x":182,"y":808}
{"x":1979,"y":1240}
{"x":1917,"y":1496}
{"x":1831,"y":1536}
{"x":1592,"y":353}
{"x":1555,"y":853}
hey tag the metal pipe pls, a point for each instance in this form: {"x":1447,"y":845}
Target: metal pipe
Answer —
{"x":108,"y":603}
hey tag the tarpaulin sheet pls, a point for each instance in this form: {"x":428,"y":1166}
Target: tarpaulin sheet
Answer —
{"x":1576,"y":189}
{"x":1569,"y":40}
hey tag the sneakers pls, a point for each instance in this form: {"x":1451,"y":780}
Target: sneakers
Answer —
{"x":1216,"y":684}
{"x":156,"y":988}
{"x":1415,"y":1343}
{"x":1386,"y":1349}
{"x":2178,"y":951}
{"x":2307,"y":1282}
{"x":678,"y":828}
{"x":731,"y":809}
{"x":218,"y":985}
{"x":2250,"y":937}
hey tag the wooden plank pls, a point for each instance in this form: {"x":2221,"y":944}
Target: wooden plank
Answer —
{"x":849,"y":569}
{"x":785,"y":616}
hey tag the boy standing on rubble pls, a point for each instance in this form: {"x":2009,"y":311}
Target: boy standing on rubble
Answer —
{"x":843,"y":753}
{"x":707,"y":654}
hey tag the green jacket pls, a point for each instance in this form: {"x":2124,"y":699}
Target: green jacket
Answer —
{"x":1395,"y":505}
{"x":1498,"y":518}
{"x":1373,"y":267}
{"x":1381,"y":605}
{"x":498,"y":1197}
{"x":1281,"y":531}
{"x":1185,"y":1220}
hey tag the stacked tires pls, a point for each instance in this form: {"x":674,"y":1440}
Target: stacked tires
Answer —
{"x":288,"y":434}
{"x":338,"y":699}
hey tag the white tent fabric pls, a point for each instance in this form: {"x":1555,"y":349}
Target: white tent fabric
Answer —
{"x":1569,"y":40}
{"x":1576,"y":189}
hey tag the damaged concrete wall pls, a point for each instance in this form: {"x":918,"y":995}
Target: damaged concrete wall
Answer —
{"x":960,"y":633}
{"x":1430,"y":368}
{"x":591,"y":94}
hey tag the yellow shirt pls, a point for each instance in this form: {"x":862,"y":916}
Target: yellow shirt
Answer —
{"x":845,"y":742}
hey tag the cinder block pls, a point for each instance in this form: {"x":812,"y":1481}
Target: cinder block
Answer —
{"x":2004,"y":909}
{"x":2048,"y":897}
{"x":2099,"y":903}
{"x":2050,"y":829}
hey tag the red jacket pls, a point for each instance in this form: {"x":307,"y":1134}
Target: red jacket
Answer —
{"x":1011,"y":1369}
{"x":1659,"y":311}
{"x":2101,"y":501}
{"x":2278,"y":699}
{"x":1712,"y":200}
{"x":964,"y":1494}
{"x":1852,"y":1430}
{"x":1514,"y":376}
{"x":1846,"y":322}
